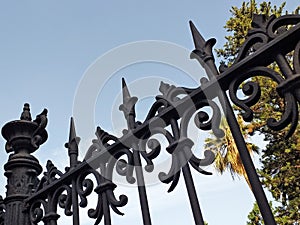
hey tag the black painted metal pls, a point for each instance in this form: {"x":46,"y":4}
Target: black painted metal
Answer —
{"x":23,"y":137}
{"x":31,"y":201}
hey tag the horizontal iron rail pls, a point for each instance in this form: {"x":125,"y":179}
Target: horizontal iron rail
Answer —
{"x":264,"y":56}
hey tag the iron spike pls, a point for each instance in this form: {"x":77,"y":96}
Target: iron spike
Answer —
{"x":199,"y":41}
{"x":125,"y":91}
{"x":72,"y":145}
{"x":72,"y":134}
{"x":128,"y":105}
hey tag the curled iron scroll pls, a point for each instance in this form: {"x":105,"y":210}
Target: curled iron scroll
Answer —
{"x":253,"y":93}
{"x":85,"y":186}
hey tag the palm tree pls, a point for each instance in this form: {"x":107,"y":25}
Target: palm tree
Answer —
{"x":226,"y":152}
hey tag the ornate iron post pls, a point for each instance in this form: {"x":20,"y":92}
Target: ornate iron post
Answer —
{"x":23,"y":137}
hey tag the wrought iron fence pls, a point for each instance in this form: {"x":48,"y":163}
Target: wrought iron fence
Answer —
{"x":30,"y":200}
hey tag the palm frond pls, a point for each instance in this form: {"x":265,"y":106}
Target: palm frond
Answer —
{"x":226,"y":151}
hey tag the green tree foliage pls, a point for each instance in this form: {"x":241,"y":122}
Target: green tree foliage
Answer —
{"x":239,"y":24}
{"x":280,"y":172}
{"x":254,"y":216}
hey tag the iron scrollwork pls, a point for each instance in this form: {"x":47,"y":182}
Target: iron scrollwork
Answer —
{"x":264,"y":31}
{"x":170,"y":116}
{"x":252,"y":90}
{"x":104,"y":190}
{"x":266,"y":43}
{"x":44,"y":208}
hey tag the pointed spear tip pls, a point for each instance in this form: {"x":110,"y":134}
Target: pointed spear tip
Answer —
{"x":125,"y":90}
{"x":72,"y":134}
{"x":123,"y":82}
{"x":72,"y":120}
{"x":191,"y":24}
{"x":199,"y":41}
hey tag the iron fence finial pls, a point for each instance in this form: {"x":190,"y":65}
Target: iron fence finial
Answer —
{"x":128,"y":105}
{"x":199,"y":41}
{"x":26,"y":115}
{"x":72,"y":145}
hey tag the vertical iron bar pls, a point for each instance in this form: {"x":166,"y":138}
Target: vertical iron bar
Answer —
{"x":212,"y":72}
{"x":248,"y":164}
{"x":75,"y":204}
{"x":130,"y":117}
{"x":190,"y":186}
{"x":72,"y":146}
{"x":255,"y":183}
{"x":104,"y":200}
{"x":128,"y":107}
{"x":175,"y":129}
{"x":106,"y":210}
{"x":141,"y":186}
{"x":189,"y":183}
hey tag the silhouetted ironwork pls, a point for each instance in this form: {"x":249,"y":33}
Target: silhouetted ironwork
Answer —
{"x":30,"y":200}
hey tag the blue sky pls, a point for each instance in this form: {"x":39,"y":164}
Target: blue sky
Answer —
{"x":47,"y":48}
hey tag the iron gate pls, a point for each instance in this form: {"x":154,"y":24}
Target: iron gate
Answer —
{"x":30,"y":200}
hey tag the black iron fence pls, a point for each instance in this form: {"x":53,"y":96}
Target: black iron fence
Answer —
{"x":30,"y":200}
